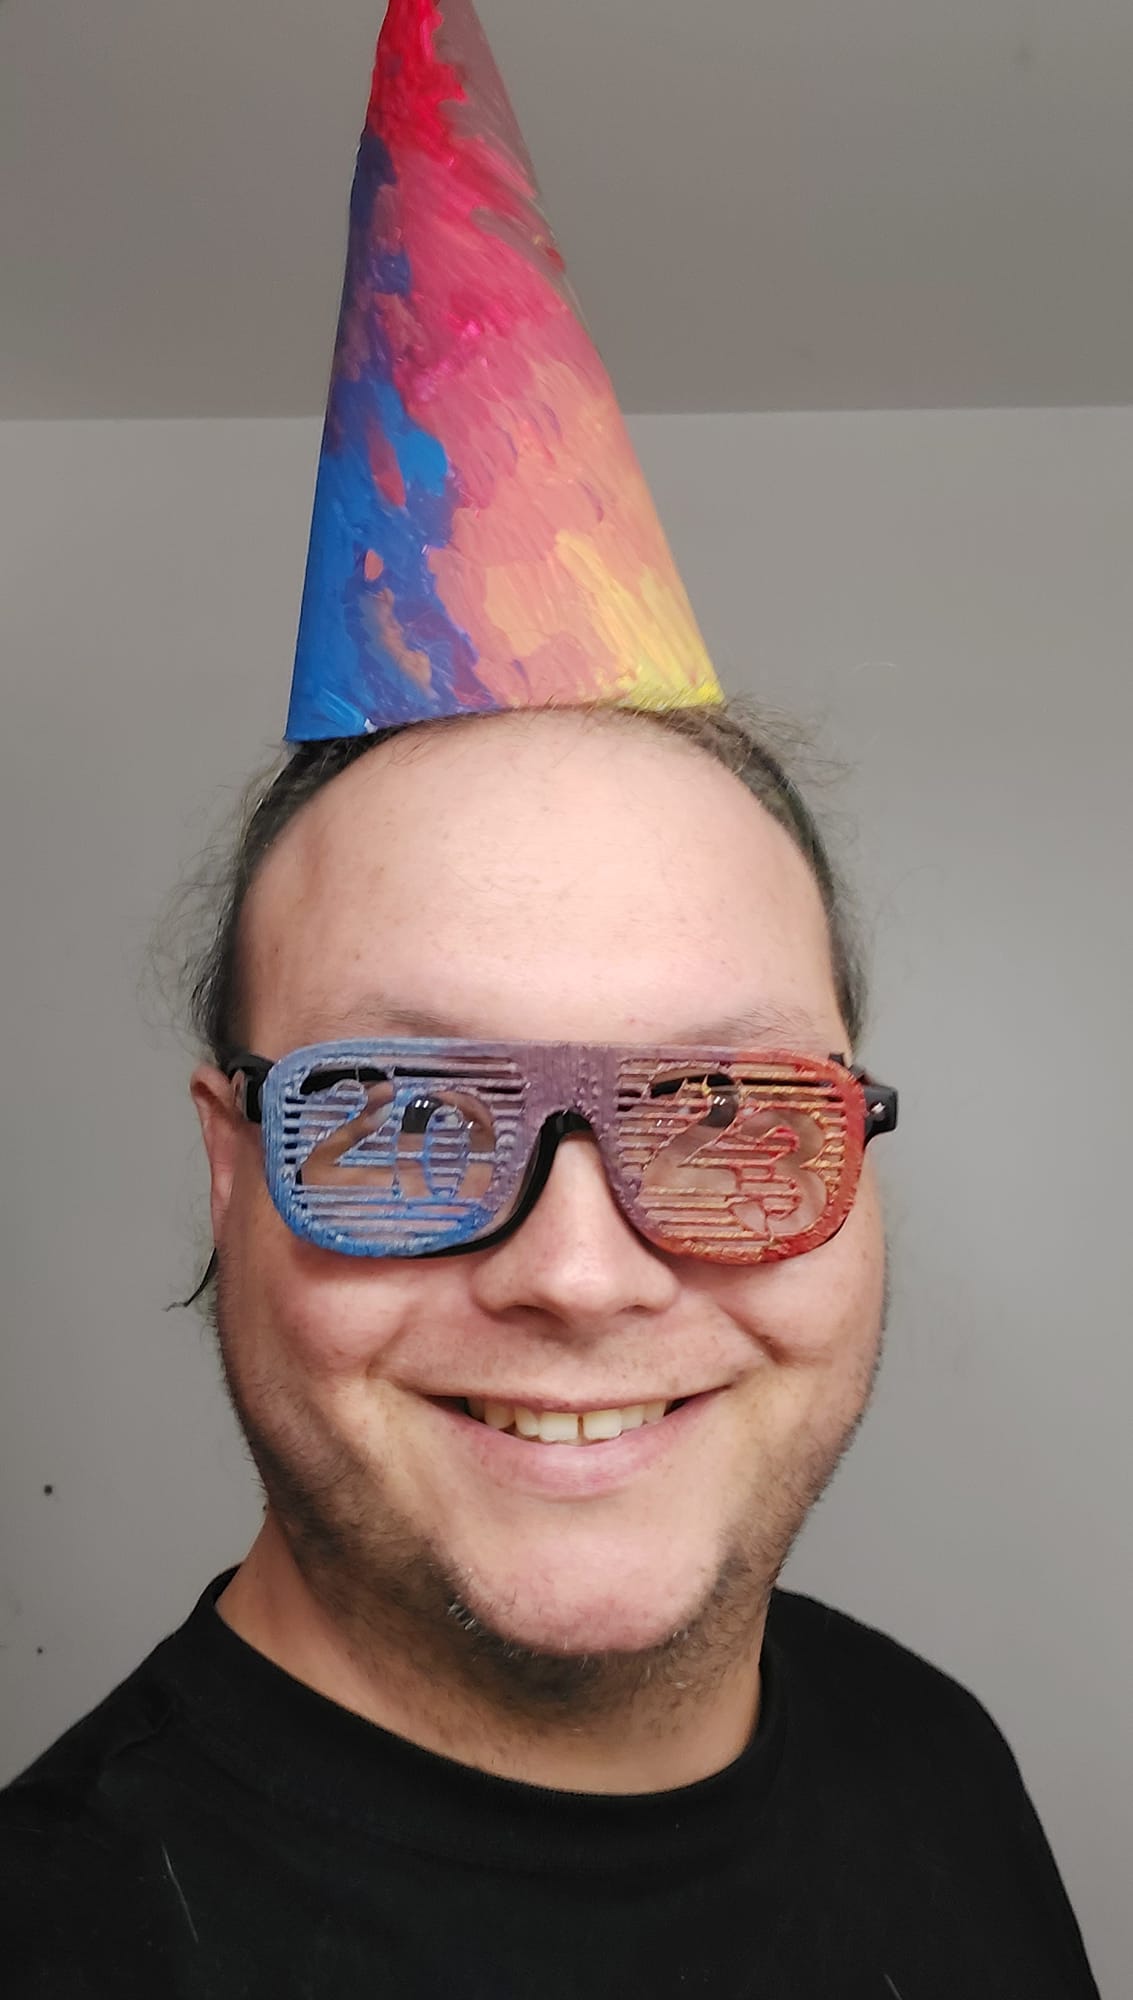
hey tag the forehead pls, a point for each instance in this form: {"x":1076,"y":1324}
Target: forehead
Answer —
{"x":545,"y":876}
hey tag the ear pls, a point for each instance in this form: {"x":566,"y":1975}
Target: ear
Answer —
{"x":222,"y":1130}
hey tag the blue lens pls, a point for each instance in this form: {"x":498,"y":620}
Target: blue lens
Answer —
{"x":391,"y":1161}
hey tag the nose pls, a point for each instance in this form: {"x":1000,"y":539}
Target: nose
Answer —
{"x":575,"y":1258}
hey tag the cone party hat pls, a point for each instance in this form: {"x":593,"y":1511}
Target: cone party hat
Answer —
{"x":483,"y":537}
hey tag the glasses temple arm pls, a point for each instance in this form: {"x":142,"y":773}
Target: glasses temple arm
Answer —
{"x":254,"y":1070}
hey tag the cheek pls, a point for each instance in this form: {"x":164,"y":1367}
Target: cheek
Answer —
{"x":306,"y":1310}
{"x":821,"y":1310}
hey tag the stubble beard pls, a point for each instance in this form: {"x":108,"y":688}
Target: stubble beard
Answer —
{"x":394,"y":1597}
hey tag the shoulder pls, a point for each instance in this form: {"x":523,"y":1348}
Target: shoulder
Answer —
{"x":62,"y":1779}
{"x":916,"y":1782}
{"x":73,"y":1853}
{"x":858,"y":1685}
{"x":103,"y":1753}
{"x":833,"y":1649}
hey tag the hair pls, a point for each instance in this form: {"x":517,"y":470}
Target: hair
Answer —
{"x":207,"y":955}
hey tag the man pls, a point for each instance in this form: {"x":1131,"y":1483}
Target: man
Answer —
{"x":480,"y":1713}
{"x":549,"y":1289}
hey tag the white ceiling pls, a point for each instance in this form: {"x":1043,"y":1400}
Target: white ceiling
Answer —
{"x":765,"y":204}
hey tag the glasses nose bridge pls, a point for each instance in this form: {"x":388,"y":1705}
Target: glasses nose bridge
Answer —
{"x":577,"y":1087}
{"x":560,"y":1124}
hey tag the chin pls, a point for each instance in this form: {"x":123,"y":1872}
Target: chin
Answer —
{"x":568,"y":1618}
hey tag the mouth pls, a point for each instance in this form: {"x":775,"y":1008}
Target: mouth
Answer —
{"x":580,"y":1427}
{"x":596,"y":1452}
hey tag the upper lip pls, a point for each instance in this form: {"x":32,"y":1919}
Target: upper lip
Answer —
{"x":542,"y":1404}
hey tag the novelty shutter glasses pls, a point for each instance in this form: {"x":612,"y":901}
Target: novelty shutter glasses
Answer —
{"x":424,"y":1148}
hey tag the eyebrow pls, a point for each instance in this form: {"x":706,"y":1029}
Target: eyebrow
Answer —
{"x":788,"y":1027}
{"x":380,"y":1014}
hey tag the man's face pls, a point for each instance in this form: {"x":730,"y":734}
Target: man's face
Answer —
{"x":540,"y":878}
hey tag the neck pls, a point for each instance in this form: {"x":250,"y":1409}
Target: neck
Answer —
{"x":663,"y":1731}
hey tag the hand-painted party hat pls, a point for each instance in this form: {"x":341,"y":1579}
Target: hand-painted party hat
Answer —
{"x":483,"y":537}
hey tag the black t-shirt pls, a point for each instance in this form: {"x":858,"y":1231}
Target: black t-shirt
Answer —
{"x":215,"y":1828}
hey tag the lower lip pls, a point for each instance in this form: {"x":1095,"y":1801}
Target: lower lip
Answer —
{"x":574,"y":1471}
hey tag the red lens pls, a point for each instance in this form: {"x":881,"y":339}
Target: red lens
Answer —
{"x":742,"y":1160}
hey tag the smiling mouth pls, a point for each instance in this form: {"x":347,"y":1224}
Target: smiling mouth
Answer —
{"x":565,"y":1426}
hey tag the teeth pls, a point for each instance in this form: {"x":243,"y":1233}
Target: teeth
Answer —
{"x":565,"y":1426}
{"x":602,"y":1424}
{"x":558,"y":1427}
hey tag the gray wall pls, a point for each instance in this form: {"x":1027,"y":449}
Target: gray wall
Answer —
{"x":949,"y":598}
